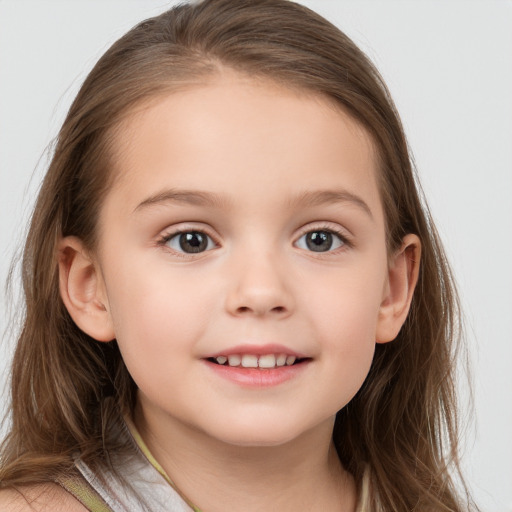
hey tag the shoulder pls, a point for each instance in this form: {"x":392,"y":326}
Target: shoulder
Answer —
{"x":38,"y":498}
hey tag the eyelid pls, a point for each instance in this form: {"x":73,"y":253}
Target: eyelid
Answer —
{"x":167,"y":234}
{"x":173,"y":231}
{"x":336,"y":229}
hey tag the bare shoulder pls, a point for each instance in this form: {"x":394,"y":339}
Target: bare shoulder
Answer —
{"x":38,"y":498}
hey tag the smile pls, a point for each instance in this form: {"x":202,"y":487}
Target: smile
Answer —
{"x":258,"y":371}
{"x":265,"y":361}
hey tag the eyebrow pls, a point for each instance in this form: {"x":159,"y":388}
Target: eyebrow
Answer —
{"x":192,"y":197}
{"x":212,"y":200}
{"x":321,"y":197}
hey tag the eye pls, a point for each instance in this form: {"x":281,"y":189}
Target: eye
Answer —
{"x":190,"y":242}
{"x":320,"y":241}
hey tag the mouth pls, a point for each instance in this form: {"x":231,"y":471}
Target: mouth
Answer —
{"x":258,"y":366}
{"x":261,"y":362}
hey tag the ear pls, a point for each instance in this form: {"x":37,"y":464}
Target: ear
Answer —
{"x":403,"y":273}
{"x":82,"y":290}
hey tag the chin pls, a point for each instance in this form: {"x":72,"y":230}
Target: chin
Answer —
{"x":258,"y":434}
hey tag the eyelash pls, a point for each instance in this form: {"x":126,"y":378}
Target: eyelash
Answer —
{"x":342,"y":235}
{"x":167,"y":237}
{"x":345,"y":241}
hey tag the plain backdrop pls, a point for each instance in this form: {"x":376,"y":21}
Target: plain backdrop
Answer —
{"x":448,"y":64}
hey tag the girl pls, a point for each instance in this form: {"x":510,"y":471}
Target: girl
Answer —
{"x":234,"y":298}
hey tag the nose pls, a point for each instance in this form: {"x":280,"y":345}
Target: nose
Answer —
{"x":258,"y":287}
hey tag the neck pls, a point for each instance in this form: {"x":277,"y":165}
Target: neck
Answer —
{"x":303,"y":474}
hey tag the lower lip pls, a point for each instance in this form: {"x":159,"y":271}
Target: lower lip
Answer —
{"x":255,"y":377}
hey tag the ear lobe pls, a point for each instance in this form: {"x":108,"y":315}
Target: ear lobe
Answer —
{"x":402,"y":278}
{"x":82,"y":290}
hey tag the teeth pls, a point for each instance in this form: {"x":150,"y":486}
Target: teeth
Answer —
{"x":253,"y":361}
{"x":281,"y":360}
{"x":234,"y":360}
{"x":268,"y":361}
{"x":249,"y":361}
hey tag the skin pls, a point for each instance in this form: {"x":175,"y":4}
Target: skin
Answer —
{"x":39,"y":498}
{"x":256,"y":150}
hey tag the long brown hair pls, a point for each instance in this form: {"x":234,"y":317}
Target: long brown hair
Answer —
{"x":402,"y":423}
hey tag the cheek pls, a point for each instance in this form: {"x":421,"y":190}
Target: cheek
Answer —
{"x":153,"y":318}
{"x":347,"y":305}
{"x":345,"y":316}
{"x":155,"y":339}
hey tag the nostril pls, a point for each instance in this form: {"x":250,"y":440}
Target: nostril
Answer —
{"x":247,"y":309}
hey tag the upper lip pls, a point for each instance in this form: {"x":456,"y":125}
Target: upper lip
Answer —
{"x":257,"y":350}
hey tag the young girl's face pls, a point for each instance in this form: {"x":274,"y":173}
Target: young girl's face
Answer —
{"x":244,"y":224}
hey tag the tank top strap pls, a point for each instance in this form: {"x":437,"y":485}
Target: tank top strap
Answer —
{"x":78,"y":487}
{"x":128,"y":482}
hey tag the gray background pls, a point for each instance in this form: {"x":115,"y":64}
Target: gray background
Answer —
{"x":449,"y":67}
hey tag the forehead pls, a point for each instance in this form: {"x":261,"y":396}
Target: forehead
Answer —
{"x":235,"y":134}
